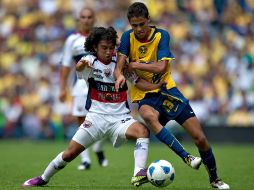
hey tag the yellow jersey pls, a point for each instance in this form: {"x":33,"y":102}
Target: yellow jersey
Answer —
{"x":155,"y":49}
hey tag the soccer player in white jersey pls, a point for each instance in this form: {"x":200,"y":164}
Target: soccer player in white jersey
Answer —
{"x":109,"y":115}
{"x":73,"y":51}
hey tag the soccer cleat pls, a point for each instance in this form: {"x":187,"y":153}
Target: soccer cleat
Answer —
{"x":36,"y":181}
{"x":193,"y":162}
{"x":101,"y":159}
{"x":84,"y":166}
{"x":219,"y":184}
{"x":140,"y":178}
{"x":103,"y":162}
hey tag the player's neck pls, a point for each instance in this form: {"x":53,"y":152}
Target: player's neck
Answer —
{"x":147,"y":37}
{"x":84,"y":32}
{"x":104,"y":61}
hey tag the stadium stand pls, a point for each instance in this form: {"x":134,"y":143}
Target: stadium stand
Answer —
{"x":212,"y":42}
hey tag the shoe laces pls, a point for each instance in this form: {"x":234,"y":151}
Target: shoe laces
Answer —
{"x":189,"y":158}
{"x":219,"y":181}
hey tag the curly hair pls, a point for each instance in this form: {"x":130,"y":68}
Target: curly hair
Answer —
{"x":137,"y":9}
{"x":98,"y":34}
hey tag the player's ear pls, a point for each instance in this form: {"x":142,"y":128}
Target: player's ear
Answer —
{"x":95,"y":48}
{"x":148,"y":19}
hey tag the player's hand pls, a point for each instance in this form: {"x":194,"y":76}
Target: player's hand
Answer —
{"x":120,"y":81}
{"x":162,"y":83}
{"x":62,"y":95}
{"x":82,"y":64}
{"x":132,"y":66}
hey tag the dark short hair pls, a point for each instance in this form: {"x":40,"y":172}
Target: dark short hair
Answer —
{"x":137,"y":9}
{"x":98,"y":34}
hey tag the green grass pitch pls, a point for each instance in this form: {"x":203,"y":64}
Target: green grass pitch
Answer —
{"x":21,"y":160}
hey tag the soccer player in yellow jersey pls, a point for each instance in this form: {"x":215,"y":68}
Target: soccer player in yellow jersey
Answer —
{"x":148,"y":52}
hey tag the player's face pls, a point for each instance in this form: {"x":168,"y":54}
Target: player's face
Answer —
{"x":140,"y":27}
{"x":105,"y":51}
{"x":86,"y":19}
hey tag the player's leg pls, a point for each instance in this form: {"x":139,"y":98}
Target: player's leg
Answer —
{"x":125,"y":127}
{"x":58,"y":163}
{"x":141,"y":133}
{"x":85,"y":157}
{"x":85,"y":160}
{"x":193,"y":127}
{"x":151,"y":116}
{"x":84,"y":137}
{"x":97,"y":148}
{"x":79,"y":111}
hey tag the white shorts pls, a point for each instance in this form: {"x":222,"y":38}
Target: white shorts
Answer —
{"x":97,"y":126}
{"x":79,"y":106}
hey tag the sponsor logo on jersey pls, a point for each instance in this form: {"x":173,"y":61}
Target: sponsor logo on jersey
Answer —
{"x":109,"y":97}
{"x":105,"y":87}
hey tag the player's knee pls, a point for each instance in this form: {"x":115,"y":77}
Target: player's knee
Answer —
{"x":69,"y":155}
{"x":143,"y":132}
{"x":149,"y":117}
{"x":201,"y":141}
{"x":146,"y":113}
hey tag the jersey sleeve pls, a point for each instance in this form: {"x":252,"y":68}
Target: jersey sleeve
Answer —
{"x":67,"y":52}
{"x":124,"y":46}
{"x":164,"y":52}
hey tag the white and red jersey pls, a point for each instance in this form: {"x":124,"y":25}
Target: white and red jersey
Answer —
{"x":72,"y":53}
{"x":102,"y":97}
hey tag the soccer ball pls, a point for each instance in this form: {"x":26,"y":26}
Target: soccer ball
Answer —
{"x":160,"y":173}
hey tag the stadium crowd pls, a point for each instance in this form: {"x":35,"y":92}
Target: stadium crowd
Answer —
{"x":212,"y":42}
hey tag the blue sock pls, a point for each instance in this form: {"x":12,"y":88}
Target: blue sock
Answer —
{"x":166,"y":137}
{"x":210,"y":163}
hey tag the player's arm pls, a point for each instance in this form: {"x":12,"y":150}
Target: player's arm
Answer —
{"x":64,"y":74}
{"x":65,"y":69}
{"x":82,"y":64}
{"x":154,"y":67}
{"x":118,"y":72}
{"x":123,"y":53}
{"x":140,"y":83}
{"x":121,"y":59}
{"x":84,"y":67}
{"x":144,"y":85}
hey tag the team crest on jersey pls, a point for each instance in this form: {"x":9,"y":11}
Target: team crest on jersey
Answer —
{"x":107,"y":72}
{"x":87,"y":124}
{"x":142,"y":51}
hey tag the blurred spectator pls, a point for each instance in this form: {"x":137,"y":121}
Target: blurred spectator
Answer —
{"x":212,"y":42}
